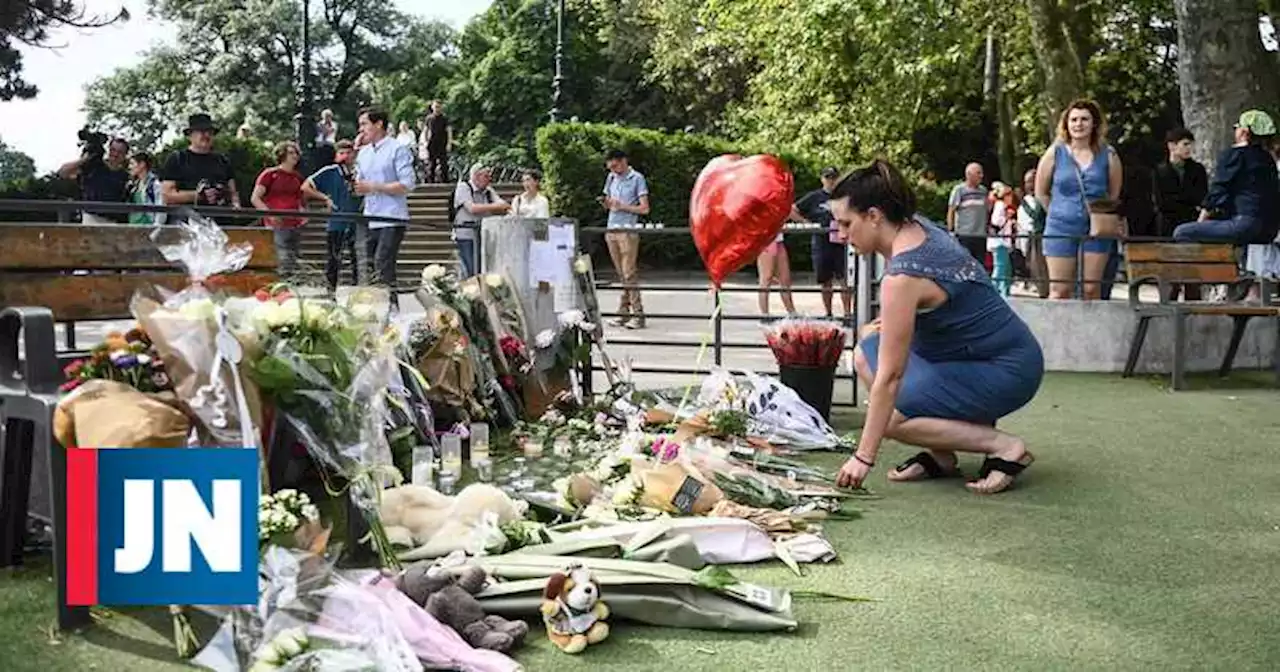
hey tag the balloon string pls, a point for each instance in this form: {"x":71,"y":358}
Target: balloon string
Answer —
{"x":702,"y":352}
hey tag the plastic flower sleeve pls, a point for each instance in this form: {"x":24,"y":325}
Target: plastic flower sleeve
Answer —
{"x":339,"y":409}
{"x":190,"y":331}
{"x":309,"y":617}
{"x":806,"y":342}
{"x":202,"y":248}
{"x":778,"y":415}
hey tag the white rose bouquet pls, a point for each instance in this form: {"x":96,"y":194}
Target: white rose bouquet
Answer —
{"x":325,"y":371}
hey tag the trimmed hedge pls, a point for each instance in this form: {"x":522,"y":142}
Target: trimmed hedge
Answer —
{"x":572,"y":158}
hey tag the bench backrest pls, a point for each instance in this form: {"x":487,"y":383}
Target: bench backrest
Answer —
{"x":86,"y":272}
{"x":1183,"y":263}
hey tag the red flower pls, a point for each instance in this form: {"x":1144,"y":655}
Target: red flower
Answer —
{"x":512,"y":346}
{"x":807,"y":343}
{"x":262,"y":295}
{"x":508,"y":382}
{"x":70,"y":385}
{"x":73,"y":369}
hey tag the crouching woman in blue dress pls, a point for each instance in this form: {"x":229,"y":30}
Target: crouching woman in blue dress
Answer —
{"x":947,"y":358}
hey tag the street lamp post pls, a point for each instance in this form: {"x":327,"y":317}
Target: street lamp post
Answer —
{"x":557,"y":84}
{"x":306,"y":130}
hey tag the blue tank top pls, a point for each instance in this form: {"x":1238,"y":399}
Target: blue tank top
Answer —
{"x":975,"y":322}
{"x":1065,"y":204}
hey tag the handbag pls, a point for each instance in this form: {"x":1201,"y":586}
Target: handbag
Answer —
{"x":1104,"y":221}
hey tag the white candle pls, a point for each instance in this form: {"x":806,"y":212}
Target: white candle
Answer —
{"x":451,"y":455}
{"x":479,"y":443}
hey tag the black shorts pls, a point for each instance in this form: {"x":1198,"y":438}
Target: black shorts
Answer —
{"x":830,"y":260}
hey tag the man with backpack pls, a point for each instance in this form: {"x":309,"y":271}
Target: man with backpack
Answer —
{"x":473,"y":200}
{"x":198,"y":175}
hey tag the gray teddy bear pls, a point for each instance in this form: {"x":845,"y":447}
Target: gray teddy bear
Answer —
{"x":449,"y":598}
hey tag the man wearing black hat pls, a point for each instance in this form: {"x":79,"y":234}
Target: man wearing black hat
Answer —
{"x":197,"y":175}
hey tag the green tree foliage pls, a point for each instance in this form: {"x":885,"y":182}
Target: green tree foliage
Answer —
{"x":15,"y":166}
{"x":502,"y":89}
{"x":841,"y":80}
{"x":45,"y":188}
{"x":243,"y":62}
{"x":29,"y":22}
{"x":427,"y":58}
{"x":146,"y":101}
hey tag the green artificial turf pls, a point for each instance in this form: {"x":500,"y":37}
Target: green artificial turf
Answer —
{"x":1146,"y":536}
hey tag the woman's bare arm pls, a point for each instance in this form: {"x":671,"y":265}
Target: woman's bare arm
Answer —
{"x":900,"y":295}
{"x":1044,"y":178}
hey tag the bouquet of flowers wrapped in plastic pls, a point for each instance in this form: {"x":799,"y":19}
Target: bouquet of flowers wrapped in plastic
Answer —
{"x":325,"y":367}
{"x":506,"y":317}
{"x":439,"y":287}
{"x":774,"y":412}
{"x":312,"y":616}
{"x":189,"y":329}
{"x":805,"y":342}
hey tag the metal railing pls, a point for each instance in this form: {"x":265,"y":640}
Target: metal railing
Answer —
{"x":863,"y":272}
{"x":717,"y":345}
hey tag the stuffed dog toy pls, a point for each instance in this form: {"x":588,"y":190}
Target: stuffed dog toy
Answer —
{"x":573,"y":611}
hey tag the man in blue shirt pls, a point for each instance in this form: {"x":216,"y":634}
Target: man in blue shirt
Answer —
{"x":626,"y":197}
{"x":384,"y":176}
{"x":337,"y":182}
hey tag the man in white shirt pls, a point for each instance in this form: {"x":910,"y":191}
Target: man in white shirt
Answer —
{"x":384,"y":176}
{"x":474,"y":199}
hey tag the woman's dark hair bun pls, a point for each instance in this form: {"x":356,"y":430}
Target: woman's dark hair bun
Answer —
{"x":878,"y":186}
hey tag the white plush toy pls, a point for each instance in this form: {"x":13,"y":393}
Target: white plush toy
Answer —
{"x":415,"y":515}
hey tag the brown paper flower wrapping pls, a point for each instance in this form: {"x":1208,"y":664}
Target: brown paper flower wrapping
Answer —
{"x":662,"y":482}
{"x":540,"y":396}
{"x":450,"y":372}
{"x":187,"y":345}
{"x":108,"y":414}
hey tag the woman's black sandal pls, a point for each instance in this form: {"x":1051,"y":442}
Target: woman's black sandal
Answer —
{"x":1003,"y":466}
{"x":932,"y":469}
{"x":1006,"y":467}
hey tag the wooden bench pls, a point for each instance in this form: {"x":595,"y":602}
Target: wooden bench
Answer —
{"x":69,"y":273}
{"x":89,"y":273}
{"x":1167,"y":265}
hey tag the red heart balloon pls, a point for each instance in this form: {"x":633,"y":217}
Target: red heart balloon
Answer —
{"x":737,"y":208}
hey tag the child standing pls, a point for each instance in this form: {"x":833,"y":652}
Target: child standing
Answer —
{"x":1000,"y":235}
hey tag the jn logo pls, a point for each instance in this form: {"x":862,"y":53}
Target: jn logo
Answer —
{"x":162,"y":526}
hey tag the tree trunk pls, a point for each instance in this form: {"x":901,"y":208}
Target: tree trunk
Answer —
{"x":1058,"y":57}
{"x":1223,"y":70}
{"x":1007,"y":142}
{"x":993,"y":90}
